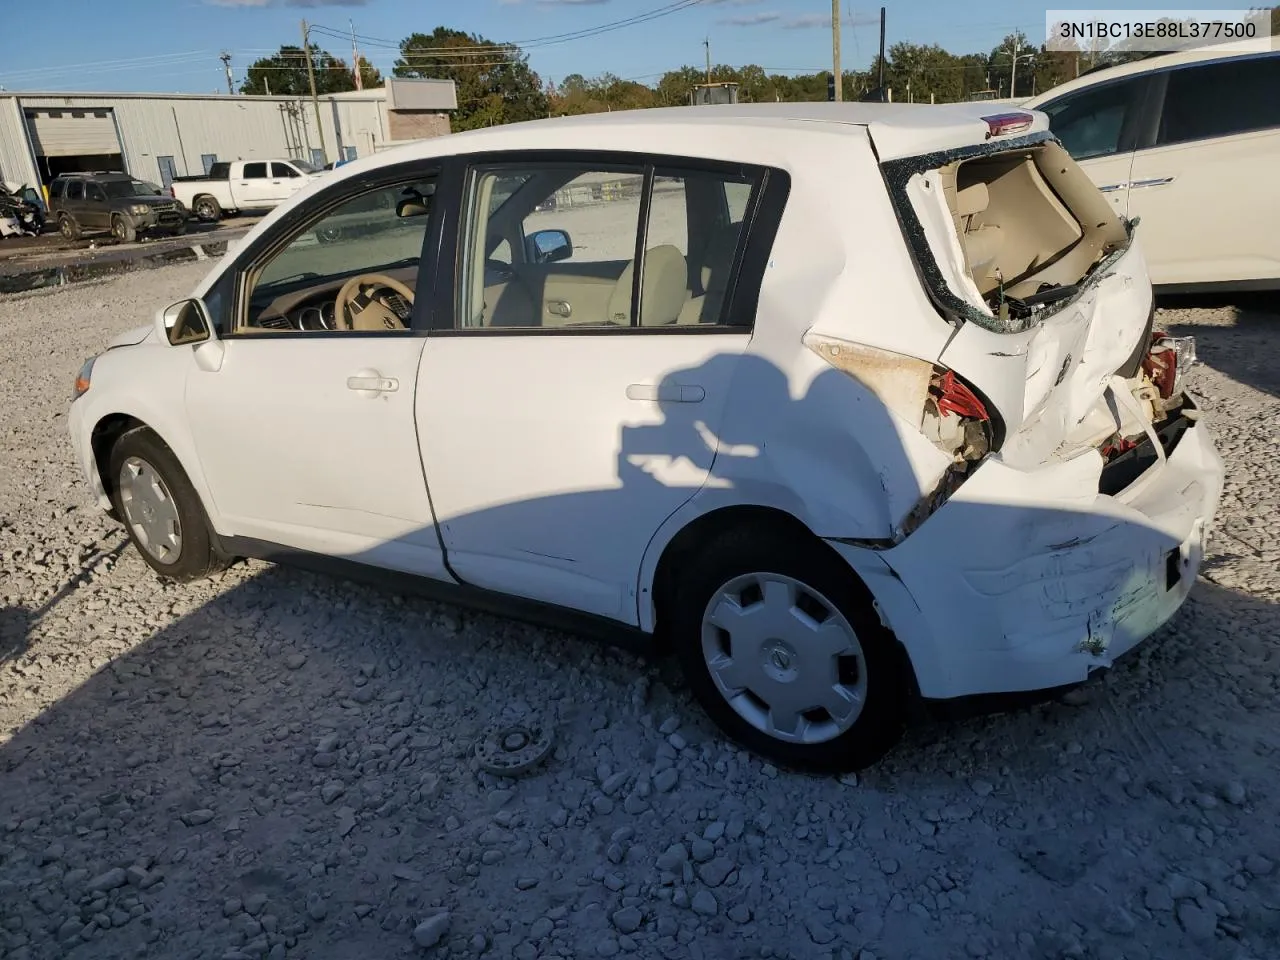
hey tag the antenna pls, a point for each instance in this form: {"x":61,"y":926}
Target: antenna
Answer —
{"x":226,"y":63}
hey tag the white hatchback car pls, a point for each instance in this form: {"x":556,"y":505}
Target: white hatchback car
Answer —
{"x":853,"y":405}
{"x":1188,"y":144}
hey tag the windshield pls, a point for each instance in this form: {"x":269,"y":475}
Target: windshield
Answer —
{"x":304,"y":166}
{"x":116,"y":189}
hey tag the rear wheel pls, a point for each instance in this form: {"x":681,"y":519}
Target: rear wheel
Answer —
{"x":781,"y":645}
{"x":68,"y":227}
{"x":160,"y":508}
{"x":123,"y":230}
{"x":207,"y":209}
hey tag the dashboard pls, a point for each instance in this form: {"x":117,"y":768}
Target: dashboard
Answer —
{"x":315,"y":307}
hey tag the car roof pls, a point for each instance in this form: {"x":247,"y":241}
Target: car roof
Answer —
{"x":1161,"y":61}
{"x":896,"y":129}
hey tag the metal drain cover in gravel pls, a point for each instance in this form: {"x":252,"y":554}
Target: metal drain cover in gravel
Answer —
{"x":511,"y":749}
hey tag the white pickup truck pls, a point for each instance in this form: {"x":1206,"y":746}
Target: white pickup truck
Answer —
{"x":235,"y":185}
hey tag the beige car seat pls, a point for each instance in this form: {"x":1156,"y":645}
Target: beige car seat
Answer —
{"x":664,"y":291}
{"x":981,"y":241}
{"x":713,"y":279}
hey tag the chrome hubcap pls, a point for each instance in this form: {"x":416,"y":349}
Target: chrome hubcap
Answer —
{"x":785,"y":658}
{"x":149,"y":510}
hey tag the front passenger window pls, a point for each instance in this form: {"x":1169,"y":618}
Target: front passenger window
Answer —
{"x":355,"y":268}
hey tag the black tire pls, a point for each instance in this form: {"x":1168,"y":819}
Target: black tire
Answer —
{"x":196,"y":555}
{"x":68,"y":227}
{"x":122,"y":229}
{"x":180,"y":229}
{"x":878,"y":727}
{"x":207,"y":209}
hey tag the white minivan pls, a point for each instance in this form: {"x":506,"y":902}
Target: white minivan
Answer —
{"x":1189,"y":144}
{"x":854,"y":406}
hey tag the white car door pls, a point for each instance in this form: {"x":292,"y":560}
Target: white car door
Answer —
{"x":303,"y":423}
{"x":286,"y":180}
{"x":253,"y":189}
{"x":1207,"y":191}
{"x":556,"y":435}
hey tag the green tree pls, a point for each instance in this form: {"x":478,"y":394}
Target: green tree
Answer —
{"x":285,"y":72}
{"x":494,"y":81}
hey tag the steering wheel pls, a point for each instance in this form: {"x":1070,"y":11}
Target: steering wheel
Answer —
{"x":358,"y":307}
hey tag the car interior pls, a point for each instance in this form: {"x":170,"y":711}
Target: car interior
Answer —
{"x":543,"y":284}
{"x":311,"y":285}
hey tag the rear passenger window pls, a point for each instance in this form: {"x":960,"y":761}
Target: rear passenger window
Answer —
{"x":255,"y":171}
{"x":281,"y":170}
{"x":75,"y":190}
{"x":555,"y":246}
{"x":1221,"y":99}
{"x":1090,"y":123}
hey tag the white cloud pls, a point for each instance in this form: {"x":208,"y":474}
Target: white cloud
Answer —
{"x":750,"y":19}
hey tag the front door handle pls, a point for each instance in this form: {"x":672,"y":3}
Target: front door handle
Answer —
{"x":1154,"y":182}
{"x":559,"y":308}
{"x":667,"y":392}
{"x":370,"y":383}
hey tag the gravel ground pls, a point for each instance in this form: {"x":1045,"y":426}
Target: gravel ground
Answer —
{"x":278,"y":764}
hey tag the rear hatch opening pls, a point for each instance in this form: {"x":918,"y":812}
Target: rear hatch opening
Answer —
{"x":1019,"y":250}
{"x":1004,"y":233}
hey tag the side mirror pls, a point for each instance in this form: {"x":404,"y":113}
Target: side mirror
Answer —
{"x":186,"y":322}
{"x":548,"y":246}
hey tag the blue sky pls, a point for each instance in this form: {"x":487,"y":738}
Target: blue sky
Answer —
{"x":174,"y":44}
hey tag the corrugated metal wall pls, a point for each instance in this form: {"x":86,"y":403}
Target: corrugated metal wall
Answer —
{"x":15,"y":158}
{"x":233,"y":128}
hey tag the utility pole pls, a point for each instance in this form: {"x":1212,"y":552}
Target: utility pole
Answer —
{"x":315,"y":100}
{"x":836,"y":75}
{"x":881,"y":78}
{"x":226,"y":63}
{"x":707,"y":43}
{"x":355,"y":56}
{"x":1013,"y":74}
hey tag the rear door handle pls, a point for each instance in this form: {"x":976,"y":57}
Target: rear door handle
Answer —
{"x":559,"y":308}
{"x":370,"y":383}
{"x":1112,"y":187}
{"x":1154,"y":182}
{"x":667,"y":392}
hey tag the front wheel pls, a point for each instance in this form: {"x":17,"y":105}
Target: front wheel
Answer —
{"x":68,"y":227}
{"x":123,"y":230}
{"x":160,"y":508}
{"x":780,"y":643}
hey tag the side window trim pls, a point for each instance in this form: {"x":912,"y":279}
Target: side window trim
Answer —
{"x":272,"y":243}
{"x":760,"y":223}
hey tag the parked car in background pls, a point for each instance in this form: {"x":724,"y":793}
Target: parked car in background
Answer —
{"x":235,"y":185}
{"x":850,"y":404}
{"x":113,"y":202}
{"x":1189,"y":143}
{"x":23,"y":207}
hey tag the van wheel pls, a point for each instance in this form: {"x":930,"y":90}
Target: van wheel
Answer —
{"x":207,"y":209}
{"x":781,"y":645}
{"x":123,"y":230}
{"x":160,"y":508}
{"x":68,"y":227}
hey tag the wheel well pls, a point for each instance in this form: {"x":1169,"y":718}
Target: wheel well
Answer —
{"x":105,"y":434}
{"x":702,"y":531}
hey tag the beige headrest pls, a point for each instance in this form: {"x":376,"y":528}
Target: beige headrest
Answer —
{"x":972,"y":199}
{"x":663,"y":293}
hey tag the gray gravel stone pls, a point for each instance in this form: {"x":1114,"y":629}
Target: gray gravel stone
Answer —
{"x":628,"y":919}
{"x":431,"y":931}
{"x":705,"y":903}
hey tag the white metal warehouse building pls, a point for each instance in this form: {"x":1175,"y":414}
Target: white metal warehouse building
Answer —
{"x":157,"y":137}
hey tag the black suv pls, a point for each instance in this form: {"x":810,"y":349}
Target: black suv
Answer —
{"x":115,"y":202}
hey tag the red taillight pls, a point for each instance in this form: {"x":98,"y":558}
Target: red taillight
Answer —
{"x":1001,"y":124}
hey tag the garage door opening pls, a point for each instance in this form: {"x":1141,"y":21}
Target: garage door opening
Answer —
{"x":73,"y":140}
